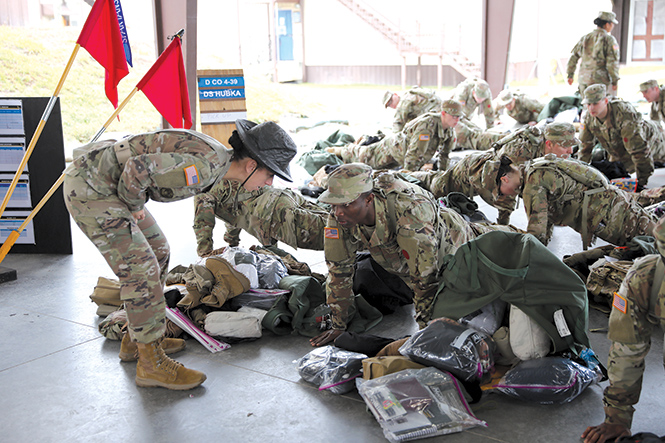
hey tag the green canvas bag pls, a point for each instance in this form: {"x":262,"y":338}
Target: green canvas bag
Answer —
{"x":519,"y":270}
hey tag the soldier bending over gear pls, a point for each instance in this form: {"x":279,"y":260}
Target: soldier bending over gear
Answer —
{"x":105,"y":191}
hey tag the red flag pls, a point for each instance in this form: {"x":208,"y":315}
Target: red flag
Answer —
{"x":165,"y":85}
{"x":101,"y":37}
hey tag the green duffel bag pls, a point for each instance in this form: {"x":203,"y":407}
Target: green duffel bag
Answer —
{"x":520,"y":270}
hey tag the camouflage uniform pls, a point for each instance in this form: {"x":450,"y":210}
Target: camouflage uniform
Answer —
{"x":553,"y":197}
{"x":599,"y":51}
{"x":410,"y":149}
{"x":630,"y":326}
{"x":411,"y":235}
{"x":521,"y":146}
{"x":269,"y":214}
{"x":112,"y":180}
{"x":415,"y":102}
{"x":526,"y":109}
{"x":471,"y":136}
{"x":657,"y":112}
{"x":463,"y":93}
{"x":625,"y":135}
{"x":475,"y":174}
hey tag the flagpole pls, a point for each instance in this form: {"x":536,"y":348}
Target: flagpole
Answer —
{"x":14,"y":235}
{"x":38,"y":131}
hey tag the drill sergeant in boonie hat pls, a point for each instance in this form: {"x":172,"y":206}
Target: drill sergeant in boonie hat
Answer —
{"x":269,"y":213}
{"x":399,"y":223}
{"x":599,"y":52}
{"x":637,"y":307}
{"x":655,"y":95}
{"x":428,"y":135}
{"x":621,"y":131}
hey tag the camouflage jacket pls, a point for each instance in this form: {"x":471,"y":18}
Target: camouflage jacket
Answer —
{"x":421,"y":139}
{"x":521,"y":146}
{"x":413,"y":103}
{"x":411,"y":234}
{"x":552,"y":197}
{"x":463,"y":93}
{"x":658,"y":107}
{"x":166,"y":165}
{"x":269,"y":214}
{"x":475,"y":174}
{"x":622,"y":135}
{"x":630,"y":326}
{"x":599,"y":52}
{"x":526,"y":109}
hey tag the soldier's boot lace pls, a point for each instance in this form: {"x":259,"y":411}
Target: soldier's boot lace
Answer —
{"x":130,"y":352}
{"x":155,"y":369}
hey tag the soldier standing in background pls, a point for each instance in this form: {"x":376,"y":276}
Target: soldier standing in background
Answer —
{"x":413,"y":103}
{"x":105,"y":191}
{"x":621,"y":131}
{"x":599,"y":52}
{"x":421,"y":139}
{"x":636,"y":309}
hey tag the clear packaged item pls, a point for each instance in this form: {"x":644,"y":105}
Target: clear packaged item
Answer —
{"x":449,"y":346}
{"x":417,"y":403}
{"x":331,"y":368}
{"x":547,"y":380}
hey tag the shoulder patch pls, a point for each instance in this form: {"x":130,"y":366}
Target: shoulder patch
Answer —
{"x":619,"y":303}
{"x":423,"y":137}
{"x":192,"y":175}
{"x":331,"y":233}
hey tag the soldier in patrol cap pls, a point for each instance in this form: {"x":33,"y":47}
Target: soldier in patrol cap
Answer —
{"x":106,"y":188}
{"x":421,"y":139}
{"x":411,"y":104}
{"x":522,"y":108}
{"x":599,"y":52}
{"x":475,"y":174}
{"x":655,"y":95}
{"x":637,"y":308}
{"x":399,"y":223}
{"x":621,"y":131}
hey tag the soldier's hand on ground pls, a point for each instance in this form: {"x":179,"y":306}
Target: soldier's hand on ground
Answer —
{"x":326,"y":337}
{"x":139,"y":215}
{"x":603,"y":432}
{"x":427,"y":167}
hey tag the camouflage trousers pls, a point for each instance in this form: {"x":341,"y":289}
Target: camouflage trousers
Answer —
{"x":471,"y":136}
{"x":385,"y":154}
{"x":138,"y":254}
{"x":617,"y":217}
{"x":656,"y":137}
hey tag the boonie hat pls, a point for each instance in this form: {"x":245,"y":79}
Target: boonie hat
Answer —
{"x":504,"y":97}
{"x":594,"y":93}
{"x":387,"y":96}
{"x":268,"y":144}
{"x":452,"y":107}
{"x":482,"y":90}
{"x":346,"y":183}
{"x":608,"y":17}
{"x":561,"y":133}
{"x":648,"y":85}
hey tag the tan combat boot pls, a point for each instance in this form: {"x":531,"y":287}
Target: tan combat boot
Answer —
{"x":155,"y":369}
{"x":129,"y":351}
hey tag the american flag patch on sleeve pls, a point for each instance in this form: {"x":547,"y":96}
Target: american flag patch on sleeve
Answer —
{"x":331,"y":233}
{"x":619,"y":302}
{"x":191,"y":175}
{"x":423,"y":137}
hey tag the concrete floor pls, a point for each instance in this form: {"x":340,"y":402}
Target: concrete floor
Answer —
{"x":62,"y":381}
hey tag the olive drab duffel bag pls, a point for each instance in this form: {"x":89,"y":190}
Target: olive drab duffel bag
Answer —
{"x":520,"y":270}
